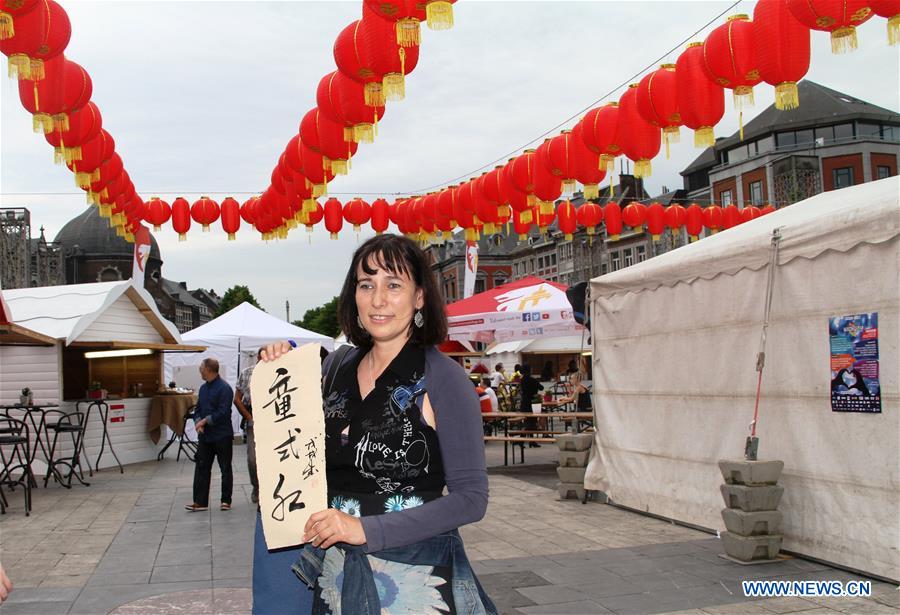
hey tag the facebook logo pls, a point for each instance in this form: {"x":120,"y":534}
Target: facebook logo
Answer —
{"x":526,"y":317}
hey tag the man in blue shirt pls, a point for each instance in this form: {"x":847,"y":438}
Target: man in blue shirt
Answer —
{"x":212,"y":418}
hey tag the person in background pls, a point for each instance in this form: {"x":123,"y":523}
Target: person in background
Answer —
{"x":528,"y":388}
{"x":488,"y":390}
{"x":517,"y":373}
{"x":497,"y":376}
{"x":243,"y":402}
{"x":547,"y":372}
{"x":212,"y":418}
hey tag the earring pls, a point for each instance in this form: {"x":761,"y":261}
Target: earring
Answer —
{"x":418,"y":319}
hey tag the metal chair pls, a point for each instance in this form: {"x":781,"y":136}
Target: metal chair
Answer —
{"x":184,"y":443}
{"x":14,"y":448}
{"x":73,"y":424}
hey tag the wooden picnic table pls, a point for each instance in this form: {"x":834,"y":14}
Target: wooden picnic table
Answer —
{"x":506,"y":417}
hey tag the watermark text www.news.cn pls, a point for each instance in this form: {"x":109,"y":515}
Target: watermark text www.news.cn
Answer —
{"x":777,"y":589}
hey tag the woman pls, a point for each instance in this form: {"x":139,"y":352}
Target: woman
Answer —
{"x":528,"y":388}
{"x":401,"y":421}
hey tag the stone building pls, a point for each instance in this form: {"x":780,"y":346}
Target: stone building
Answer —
{"x":27,"y":261}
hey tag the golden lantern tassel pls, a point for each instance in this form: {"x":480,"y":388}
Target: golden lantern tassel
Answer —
{"x":61,"y":119}
{"x":546,"y":208}
{"x":743,"y":96}
{"x":531,"y":200}
{"x":73,"y":154}
{"x":339,"y":167}
{"x":408,"y":32}
{"x":6,"y":26}
{"x":364,"y":133}
{"x":18,"y":67}
{"x":59,"y":155}
{"x":893,"y":26}
{"x":326,"y":163}
{"x":395,"y":83}
{"x":105,"y":210}
{"x":439,"y":15}
{"x":37,"y":69}
{"x":704,"y":137}
{"x":591,"y":191}
{"x":843,"y":40}
{"x":373,"y":95}
{"x":643,"y":168}
{"x":786,"y":96}
{"x":526,"y":217}
{"x":348,"y":134}
{"x":741,"y":124}
{"x":568,"y":185}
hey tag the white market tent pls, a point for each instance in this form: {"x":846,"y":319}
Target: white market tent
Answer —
{"x":674,"y":349}
{"x":233,"y":339}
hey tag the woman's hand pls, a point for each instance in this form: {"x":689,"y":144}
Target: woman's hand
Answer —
{"x":5,"y":585}
{"x":273,"y":351}
{"x":327,"y":527}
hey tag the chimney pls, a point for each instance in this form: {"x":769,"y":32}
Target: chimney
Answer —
{"x":183,"y":285}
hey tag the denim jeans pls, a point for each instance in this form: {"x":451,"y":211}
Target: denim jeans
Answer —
{"x":359,"y":596}
{"x":277,"y":590}
{"x":206,"y":451}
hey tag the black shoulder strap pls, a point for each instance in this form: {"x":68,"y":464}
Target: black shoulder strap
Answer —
{"x":338,"y":358}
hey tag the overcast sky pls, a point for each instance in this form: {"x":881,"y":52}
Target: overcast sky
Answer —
{"x":202,"y":97}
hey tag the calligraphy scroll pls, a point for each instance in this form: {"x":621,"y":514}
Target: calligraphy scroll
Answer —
{"x":289,"y":427}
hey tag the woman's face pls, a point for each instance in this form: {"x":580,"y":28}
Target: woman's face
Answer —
{"x":386,"y":302}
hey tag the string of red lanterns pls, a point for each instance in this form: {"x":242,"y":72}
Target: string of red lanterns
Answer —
{"x":373,"y":55}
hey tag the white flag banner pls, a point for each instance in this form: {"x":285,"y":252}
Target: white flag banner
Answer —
{"x":141,"y":254}
{"x":289,"y":426}
{"x":471,"y":268}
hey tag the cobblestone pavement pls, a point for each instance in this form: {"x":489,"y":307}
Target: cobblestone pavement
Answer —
{"x":126,"y":545}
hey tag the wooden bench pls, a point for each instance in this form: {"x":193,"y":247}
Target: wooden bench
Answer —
{"x":521,"y":441}
{"x":543,"y":432}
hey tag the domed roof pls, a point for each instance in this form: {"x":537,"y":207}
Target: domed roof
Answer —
{"x":93,"y":235}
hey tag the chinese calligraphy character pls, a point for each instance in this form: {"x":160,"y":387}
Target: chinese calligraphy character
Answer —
{"x":278,"y":511}
{"x":311,"y":455}
{"x":286,"y":448}
{"x":282,"y":401}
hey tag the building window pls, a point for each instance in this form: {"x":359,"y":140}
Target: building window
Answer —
{"x":842,"y":132}
{"x":842,"y":177}
{"x":756,"y":195}
{"x":604,"y":269}
{"x":531,"y":266}
{"x":786,"y":139}
{"x":641,"y":254}
{"x":629,"y":257}
{"x":726,"y":197}
{"x":553,"y":260}
{"x":615,"y":261}
{"x":882,"y":172}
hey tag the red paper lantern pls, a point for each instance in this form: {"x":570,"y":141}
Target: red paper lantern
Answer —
{"x":334,"y":217}
{"x":247,"y":209}
{"x":205,"y":211}
{"x":693,"y":221}
{"x":57,"y":32}
{"x":520,"y":226}
{"x":30,"y":28}
{"x":65,"y":88}
{"x":839,"y":17}
{"x":587,"y":164}
{"x":521,"y":173}
{"x":356,"y":61}
{"x":676,"y":216}
{"x":547,"y":187}
{"x":712,"y":218}
{"x":543,"y":218}
{"x":93,"y":153}
{"x":380,"y":218}
{"x":108,"y":170}
{"x":357,"y":212}
{"x":890,"y":10}
{"x":731,"y":217}
{"x":612,"y":216}
{"x":558,"y":157}
{"x":750,"y":213}
{"x":657,"y":102}
{"x":181,"y":218}
{"x":389,"y":58}
{"x":701,"y":102}
{"x":590,"y":215}
{"x":342,"y":100}
{"x":403,"y":17}
{"x":601,"y":131}
{"x":157,"y":212}
{"x":10,"y":10}
{"x":443,"y":214}
{"x":634,"y":214}
{"x":84,"y":125}
{"x":639,"y":139}
{"x":231,"y":217}
{"x":313,"y":216}
{"x":656,"y":220}
{"x":782,"y":50}
{"x":494,"y":190}
{"x":568,"y":218}
{"x":729,"y":56}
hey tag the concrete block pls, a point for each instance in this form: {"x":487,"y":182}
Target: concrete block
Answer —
{"x":752,"y":499}
{"x":571,"y":490}
{"x":743,"y":472}
{"x":750,"y":548}
{"x":571,"y":475}
{"x":575,"y":441}
{"x":574,"y":459}
{"x":752,"y":523}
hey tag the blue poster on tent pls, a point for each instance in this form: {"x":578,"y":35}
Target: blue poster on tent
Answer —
{"x":854,"y":363}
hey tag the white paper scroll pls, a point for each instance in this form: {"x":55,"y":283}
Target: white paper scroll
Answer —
{"x":289,"y":427}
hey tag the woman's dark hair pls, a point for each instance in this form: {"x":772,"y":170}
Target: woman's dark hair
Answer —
{"x":398,"y":255}
{"x":526,"y":370}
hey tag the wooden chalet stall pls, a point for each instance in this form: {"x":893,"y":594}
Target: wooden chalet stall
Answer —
{"x":61,"y":341}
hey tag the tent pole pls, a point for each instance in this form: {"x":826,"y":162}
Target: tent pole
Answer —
{"x":751,"y":448}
